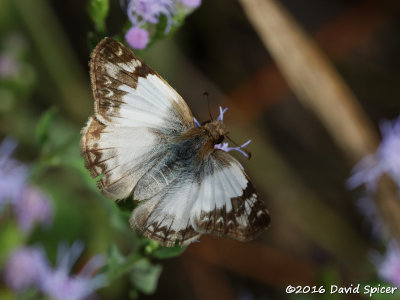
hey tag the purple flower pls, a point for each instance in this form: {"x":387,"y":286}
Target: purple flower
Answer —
{"x":25,"y":267}
{"x":28,"y":203}
{"x":196,"y":123}
{"x":367,"y":207}
{"x":33,"y":207}
{"x":385,"y":160}
{"x":225,"y":147}
{"x":388,"y":266}
{"x":143,"y":11}
{"x":191,"y":3}
{"x":137,"y":37}
{"x":13,"y":174}
{"x":60,"y":285}
{"x":29,"y":267}
{"x":221,"y":113}
{"x":143,"y":14}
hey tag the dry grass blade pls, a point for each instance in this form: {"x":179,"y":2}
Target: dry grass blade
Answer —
{"x":319,"y":87}
{"x":312,"y":77}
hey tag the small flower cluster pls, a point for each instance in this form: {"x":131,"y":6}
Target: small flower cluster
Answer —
{"x":29,"y":204}
{"x":145,"y":13}
{"x":385,"y":160}
{"x":225,"y":147}
{"x":28,"y":267}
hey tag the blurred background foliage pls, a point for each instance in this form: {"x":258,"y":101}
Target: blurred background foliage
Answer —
{"x":318,"y":236}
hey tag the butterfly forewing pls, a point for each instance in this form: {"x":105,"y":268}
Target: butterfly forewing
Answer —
{"x":137,"y":113}
{"x":125,"y":87}
{"x":142,"y":142}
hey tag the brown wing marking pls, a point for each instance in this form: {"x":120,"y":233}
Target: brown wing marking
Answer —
{"x":164,"y":234}
{"x":241,"y":223}
{"x":112,"y":65}
{"x":97,"y":159}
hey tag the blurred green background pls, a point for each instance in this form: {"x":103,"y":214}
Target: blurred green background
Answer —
{"x":318,"y":234}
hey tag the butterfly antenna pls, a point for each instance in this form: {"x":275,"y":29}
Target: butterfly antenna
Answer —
{"x":239,"y":146}
{"x":206,"y":94}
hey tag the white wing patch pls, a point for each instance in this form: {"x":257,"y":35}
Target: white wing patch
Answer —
{"x":166,"y":216}
{"x":111,"y":151}
{"x":145,"y":106}
{"x":233,"y":209}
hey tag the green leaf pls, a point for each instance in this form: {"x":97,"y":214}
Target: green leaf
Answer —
{"x":119,"y":265}
{"x":168,"y":252}
{"x":115,"y":256}
{"x":145,"y":275}
{"x":43,"y":126}
{"x":98,"y":11}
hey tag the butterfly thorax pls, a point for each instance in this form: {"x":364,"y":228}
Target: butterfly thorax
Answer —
{"x":201,"y":140}
{"x":216,"y":130}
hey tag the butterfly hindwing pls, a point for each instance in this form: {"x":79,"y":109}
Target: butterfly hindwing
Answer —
{"x":166,"y":216}
{"x":227,"y":203}
{"x":213,"y":196}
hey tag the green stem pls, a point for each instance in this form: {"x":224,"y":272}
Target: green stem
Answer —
{"x":126,"y":266}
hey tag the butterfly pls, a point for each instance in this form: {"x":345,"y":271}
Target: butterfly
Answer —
{"x":143,"y":141}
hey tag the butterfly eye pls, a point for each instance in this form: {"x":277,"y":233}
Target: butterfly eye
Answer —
{"x":220,"y":139}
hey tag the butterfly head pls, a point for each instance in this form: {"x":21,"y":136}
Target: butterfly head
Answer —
{"x":216,"y":130}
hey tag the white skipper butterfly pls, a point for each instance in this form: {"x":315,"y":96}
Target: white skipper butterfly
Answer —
{"x":145,"y":142}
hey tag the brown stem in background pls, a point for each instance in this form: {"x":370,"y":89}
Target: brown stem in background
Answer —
{"x":350,"y":30}
{"x":318,"y":86}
